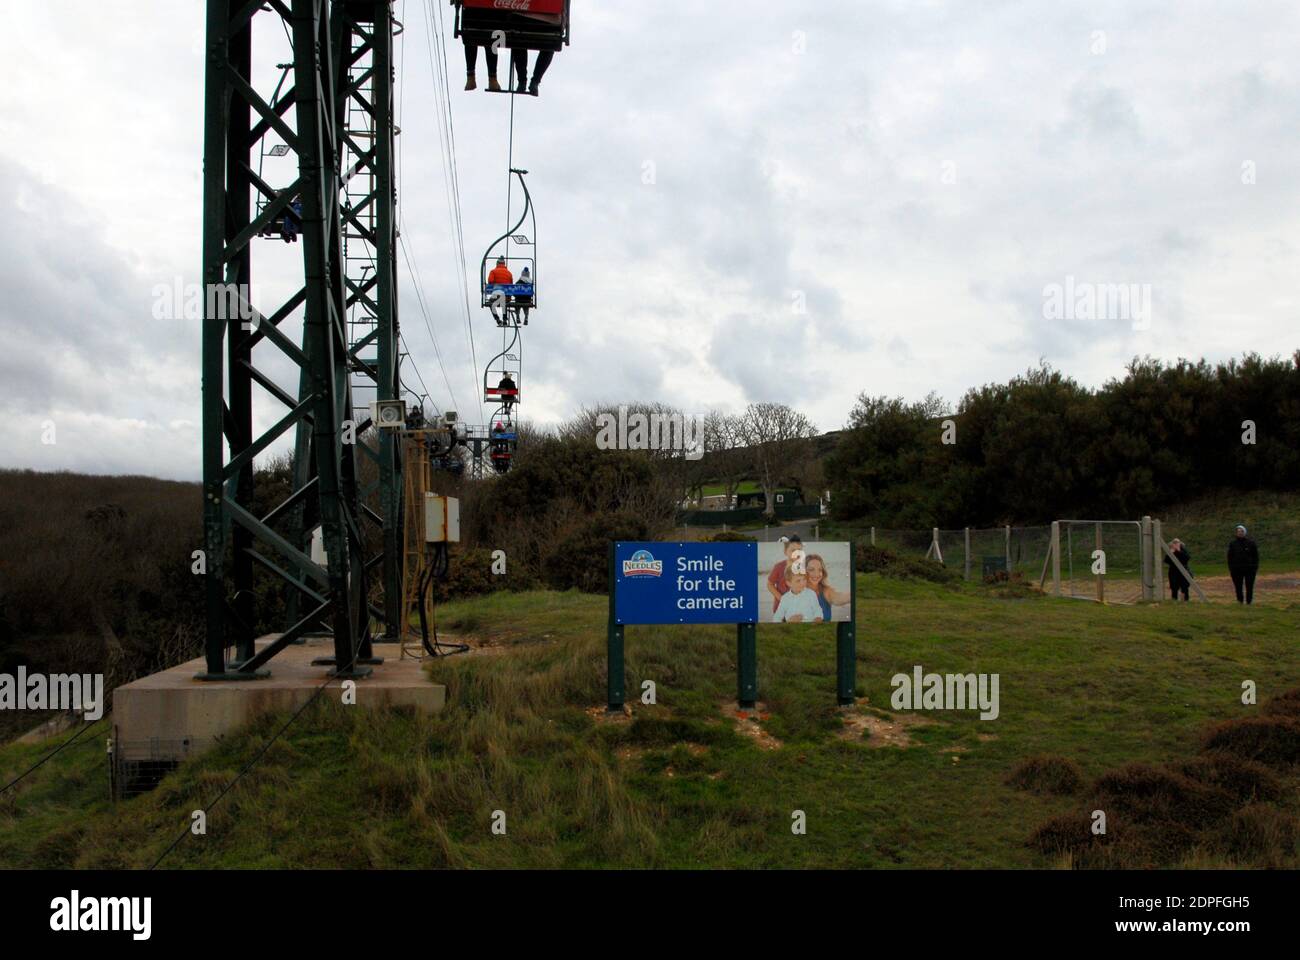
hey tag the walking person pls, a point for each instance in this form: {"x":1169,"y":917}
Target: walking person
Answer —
{"x":1177,"y":582}
{"x":1243,"y":564}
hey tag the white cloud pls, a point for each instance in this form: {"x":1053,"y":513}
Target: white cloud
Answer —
{"x":920,"y":171}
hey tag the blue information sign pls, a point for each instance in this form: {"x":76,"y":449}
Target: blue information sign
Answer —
{"x":685,"y":582}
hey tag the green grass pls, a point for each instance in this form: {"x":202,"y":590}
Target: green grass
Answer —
{"x":679,"y":786}
{"x":718,"y":489}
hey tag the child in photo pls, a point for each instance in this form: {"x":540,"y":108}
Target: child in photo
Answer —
{"x":798,"y":604}
{"x":776,"y":582}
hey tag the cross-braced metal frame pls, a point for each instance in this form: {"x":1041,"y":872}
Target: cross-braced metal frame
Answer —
{"x":238,"y":541}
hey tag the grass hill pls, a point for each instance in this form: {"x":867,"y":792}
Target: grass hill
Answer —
{"x":687,"y":783}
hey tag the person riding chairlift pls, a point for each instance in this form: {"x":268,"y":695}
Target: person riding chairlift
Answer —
{"x":525,"y":279}
{"x":519,"y":67}
{"x":500,"y":276}
{"x":471,"y":60}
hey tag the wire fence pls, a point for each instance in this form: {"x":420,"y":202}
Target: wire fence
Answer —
{"x":977,"y":552}
{"x":1103,"y":560}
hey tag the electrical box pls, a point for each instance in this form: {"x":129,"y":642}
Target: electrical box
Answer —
{"x":388,"y":414}
{"x":441,"y":519}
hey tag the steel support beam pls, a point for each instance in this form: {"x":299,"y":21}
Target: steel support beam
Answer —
{"x":325,"y":489}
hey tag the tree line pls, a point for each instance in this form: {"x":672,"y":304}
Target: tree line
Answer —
{"x":1042,"y":446}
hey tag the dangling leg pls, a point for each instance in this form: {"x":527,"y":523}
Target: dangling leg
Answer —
{"x":544,"y":59}
{"x":490,"y":56}
{"x":519,"y":69}
{"x":471,"y":59}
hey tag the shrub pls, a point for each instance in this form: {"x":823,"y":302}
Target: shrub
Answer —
{"x":1068,"y":833}
{"x":579,"y":558}
{"x":1148,"y":794}
{"x":874,"y":559}
{"x":1246,"y":780}
{"x":1262,"y":834}
{"x":1272,"y":740}
{"x":730,"y":536}
{"x":469,"y":574}
{"x":1047,"y":774}
{"x":1284,"y":704}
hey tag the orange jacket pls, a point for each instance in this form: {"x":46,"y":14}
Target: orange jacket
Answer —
{"x":501,"y":275}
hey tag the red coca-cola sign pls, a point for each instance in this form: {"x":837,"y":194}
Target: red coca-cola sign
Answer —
{"x":519,"y":6}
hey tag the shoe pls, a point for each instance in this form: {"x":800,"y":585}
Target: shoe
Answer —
{"x":470,"y":83}
{"x":493,"y":85}
{"x":532,"y":89}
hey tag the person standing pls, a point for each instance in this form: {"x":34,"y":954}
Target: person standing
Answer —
{"x":1177,"y":582}
{"x":1243,"y":564}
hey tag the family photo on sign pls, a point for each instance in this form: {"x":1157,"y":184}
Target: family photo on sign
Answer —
{"x":804,"y":582}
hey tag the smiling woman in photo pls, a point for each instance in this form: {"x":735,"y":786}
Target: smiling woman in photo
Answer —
{"x":818,"y":580}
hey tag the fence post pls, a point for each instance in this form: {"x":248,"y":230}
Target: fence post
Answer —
{"x":817,"y":531}
{"x":1008,"y":538}
{"x":615,"y":678}
{"x":846,"y":646}
{"x":1148,"y":577}
{"x":1056,"y":557}
{"x":1101,"y":577}
{"x":1157,"y":538}
{"x":746,"y":665}
{"x":966,"y":530}
{"x":873,"y":536}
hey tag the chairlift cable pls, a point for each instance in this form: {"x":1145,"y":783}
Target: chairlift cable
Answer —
{"x":434,"y":36}
{"x":419,"y":297}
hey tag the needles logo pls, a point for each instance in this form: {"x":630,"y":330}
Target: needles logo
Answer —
{"x":643,"y":564}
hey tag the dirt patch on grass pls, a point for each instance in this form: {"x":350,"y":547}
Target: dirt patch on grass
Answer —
{"x":749,"y":723}
{"x":881,"y":730}
{"x":1269,"y":588}
{"x":601,"y":714}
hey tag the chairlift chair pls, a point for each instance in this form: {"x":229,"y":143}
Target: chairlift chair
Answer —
{"x":510,"y":302}
{"x":525,"y":24}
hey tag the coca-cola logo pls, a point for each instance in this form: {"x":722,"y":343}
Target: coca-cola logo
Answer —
{"x":512,"y":4}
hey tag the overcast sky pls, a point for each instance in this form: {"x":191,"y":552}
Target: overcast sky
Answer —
{"x":845,"y":196}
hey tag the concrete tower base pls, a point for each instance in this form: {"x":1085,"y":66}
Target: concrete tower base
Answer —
{"x":170,"y":716}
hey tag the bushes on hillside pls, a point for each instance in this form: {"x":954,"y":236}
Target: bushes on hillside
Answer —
{"x":1041,"y":445}
{"x":563,"y":501}
{"x":95,"y":572}
{"x":469,"y":574}
{"x":874,"y":559}
{"x":580,"y":558}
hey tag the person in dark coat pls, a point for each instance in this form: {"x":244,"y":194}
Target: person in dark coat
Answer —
{"x":1177,"y":582}
{"x":1243,"y":564}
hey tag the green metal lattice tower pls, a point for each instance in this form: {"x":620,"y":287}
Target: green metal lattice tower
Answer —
{"x":239,"y":206}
